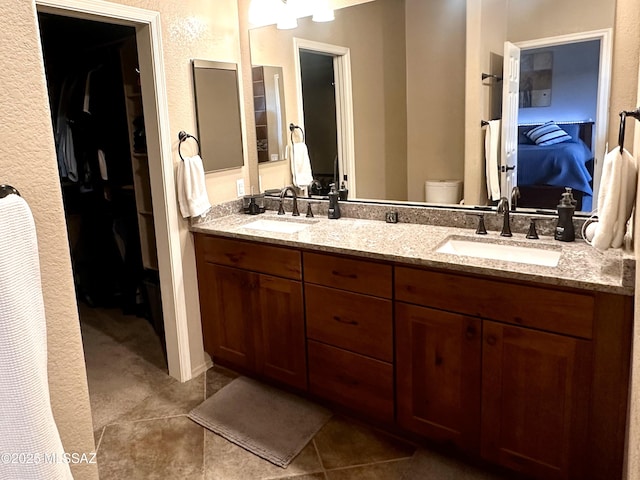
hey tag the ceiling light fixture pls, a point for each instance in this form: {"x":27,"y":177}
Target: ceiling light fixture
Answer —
{"x":322,"y":12}
{"x":287,"y":18}
{"x":285,"y":13}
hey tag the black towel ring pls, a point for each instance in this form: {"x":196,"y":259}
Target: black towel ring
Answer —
{"x":6,"y":190}
{"x":292,"y":127}
{"x":182,"y":136}
{"x":623,"y":120}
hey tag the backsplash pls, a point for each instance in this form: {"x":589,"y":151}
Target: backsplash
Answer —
{"x":439,"y":216}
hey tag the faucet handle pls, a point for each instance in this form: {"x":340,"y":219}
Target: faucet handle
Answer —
{"x":481,"y":229}
{"x":280,"y":208}
{"x":532,"y":233}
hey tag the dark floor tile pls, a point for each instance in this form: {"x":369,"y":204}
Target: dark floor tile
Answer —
{"x":119,"y":376}
{"x":426,"y":465}
{"x":343,"y":443}
{"x":135,"y":333}
{"x":217,"y":378}
{"x":154,"y":450}
{"x":174,"y":398}
{"x":309,"y":476}
{"x":393,"y":470}
{"x":227,"y":461}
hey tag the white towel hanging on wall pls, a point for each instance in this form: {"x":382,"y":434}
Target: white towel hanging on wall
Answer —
{"x":298,"y":155}
{"x":491,"y":154}
{"x":192,"y":189}
{"x":615,"y":198}
{"x":27,"y":425}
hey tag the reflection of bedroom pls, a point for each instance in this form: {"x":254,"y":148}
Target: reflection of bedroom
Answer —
{"x":560,"y":84}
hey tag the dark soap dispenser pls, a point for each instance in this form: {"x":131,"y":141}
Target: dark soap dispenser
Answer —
{"x":566,"y":208}
{"x":334,"y":204}
{"x":343,"y":193}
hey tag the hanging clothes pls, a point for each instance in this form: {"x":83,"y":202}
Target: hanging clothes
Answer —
{"x":65,"y":149}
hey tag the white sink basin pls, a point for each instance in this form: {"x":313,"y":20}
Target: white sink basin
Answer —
{"x":277,"y":226}
{"x":498,"y":251}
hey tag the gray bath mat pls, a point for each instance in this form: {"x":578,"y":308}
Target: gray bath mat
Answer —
{"x":268,"y":422}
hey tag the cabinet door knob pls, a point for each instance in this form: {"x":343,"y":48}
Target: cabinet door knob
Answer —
{"x":347,"y":322}
{"x":471,"y":332}
{"x":491,"y":339}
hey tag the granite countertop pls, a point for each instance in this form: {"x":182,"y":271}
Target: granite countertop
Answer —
{"x":580,"y":265}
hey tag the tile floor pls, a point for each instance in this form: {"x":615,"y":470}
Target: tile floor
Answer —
{"x":142,"y":430}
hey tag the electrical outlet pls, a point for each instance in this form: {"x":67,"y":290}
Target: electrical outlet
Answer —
{"x":240,"y":187}
{"x":391,"y":217}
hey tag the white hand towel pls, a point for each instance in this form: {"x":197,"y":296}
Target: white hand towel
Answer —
{"x":300,"y":165}
{"x":615,"y":198}
{"x":27,"y":425}
{"x":192,"y":189}
{"x":491,"y":155}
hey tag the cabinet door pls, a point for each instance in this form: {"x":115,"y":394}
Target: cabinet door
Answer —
{"x":438,"y":374}
{"x":227,"y":309}
{"x":280,"y":340}
{"x":535,"y":401}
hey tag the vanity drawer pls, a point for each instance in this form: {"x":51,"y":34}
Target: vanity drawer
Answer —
{"x":358,"y":276}
{"x":257,"y":257}
{"x":547,"y":309}
{"x":360,"y":323}
{"x":357,"y":382}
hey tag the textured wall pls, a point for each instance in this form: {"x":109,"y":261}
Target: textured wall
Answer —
{"x":625,"y":95}
{"x":27,"y":161}
{"x":190,"y":29}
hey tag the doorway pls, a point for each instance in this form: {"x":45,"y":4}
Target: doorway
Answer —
{"x":319,"y":105}
{"x":589,"y":54}
{"x":331,"y":121}
{"x":161,"y":170}
{"x":92,"y":73}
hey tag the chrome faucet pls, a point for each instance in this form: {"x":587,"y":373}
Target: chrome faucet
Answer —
{"x":283,"y":194}
{"x":503,"y":207}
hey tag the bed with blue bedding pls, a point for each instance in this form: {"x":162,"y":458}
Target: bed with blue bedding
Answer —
{"x":545,"y":170}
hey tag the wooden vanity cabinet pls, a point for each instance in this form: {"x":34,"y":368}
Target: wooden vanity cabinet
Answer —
{"x":529,"y":377}
{"x":546,"y":406}
{"x":252,"y":321}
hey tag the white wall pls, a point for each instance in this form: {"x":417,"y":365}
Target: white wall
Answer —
{"x":574,"y":84}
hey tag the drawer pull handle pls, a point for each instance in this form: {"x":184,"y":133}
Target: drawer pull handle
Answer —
{"x":234,"y":257}
{"x":344,"y":275}
{"x":347,"y":380}
{"x":346,"y":322}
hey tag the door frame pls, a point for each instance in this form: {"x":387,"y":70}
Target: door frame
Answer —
{"x":165,"y":206}
{"x":604,"y":89}
{"x":344,"y":101}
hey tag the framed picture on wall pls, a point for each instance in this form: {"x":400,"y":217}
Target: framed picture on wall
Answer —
{"x":536,"y":72}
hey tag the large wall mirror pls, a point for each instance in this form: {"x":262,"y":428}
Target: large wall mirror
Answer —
{"x":397,"y":74}
{"x":217,"y":102}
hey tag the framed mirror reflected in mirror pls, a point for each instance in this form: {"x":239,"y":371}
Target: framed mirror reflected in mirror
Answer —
{"x":217,"y":102}
{"x":404,"y":121}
